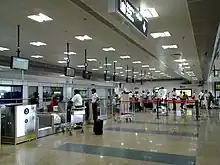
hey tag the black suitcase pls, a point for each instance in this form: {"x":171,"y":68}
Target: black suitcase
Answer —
{"x":98,"y":127}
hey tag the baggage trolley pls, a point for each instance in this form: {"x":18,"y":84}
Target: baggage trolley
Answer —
{"x":127,"y":111}
{"x":76,"y":111}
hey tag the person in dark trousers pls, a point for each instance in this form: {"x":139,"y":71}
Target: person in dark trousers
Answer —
{"x":210,"y":99}
{"x":95,"y":99}
{"x":174,"y":95}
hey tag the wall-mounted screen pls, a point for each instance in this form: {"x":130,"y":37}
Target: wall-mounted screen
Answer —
{"x":69,"y":72}
{"x":87,"y":75}
{"x":19,"y":63}
{"x":188,"y":92}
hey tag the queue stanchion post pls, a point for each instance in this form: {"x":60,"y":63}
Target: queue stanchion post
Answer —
{"x":157,"y":109}
{"x":197,"y":109}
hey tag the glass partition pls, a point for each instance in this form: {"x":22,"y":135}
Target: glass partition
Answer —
{"x":10,"y":94}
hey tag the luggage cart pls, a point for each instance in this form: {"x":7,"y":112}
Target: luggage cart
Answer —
{"x":127,"y":111}
{"x":76,"y":111}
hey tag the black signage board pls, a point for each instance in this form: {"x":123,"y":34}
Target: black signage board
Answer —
{"x":131,"y":14}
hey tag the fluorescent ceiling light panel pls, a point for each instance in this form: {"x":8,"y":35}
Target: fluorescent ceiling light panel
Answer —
{"x":95,"y":69}
{"x":121,"y":72}
{"x":107,"y":64}
{"x":150,"y":13}
{"x":62,"y":62}
{"x":125,"y":57}
{"x":111,"y":49}
{"x":157,"y":71}
{"x":65,"y":58}
{"x":136,"y":62}
{"x":185,"y":64}
{"x":70,"y":53}
{"x":37,"y":56}
{"x":169,"y":46}
{"x":135,"y":72}
{"x":162,"y":73}
{"x":145,"y":66}
{"x":115,"y":61}
{"x":37,"y":43}
{"x":141,"y":74}
{"x":180,"y":60}
{"x":160,"y":34}
{"x":91,"y":60}
{"x":128,"y":70}
{"x":3,"y":49}
{"x":152,"y":69}
{"x":119,"y":67}
{"x":80,"y":66}
{"x":83,"y":38}
{"x":122,"y":75}
{"x":100,"y":67}
{"x":187,"y":67}
{"x":40,"y":17}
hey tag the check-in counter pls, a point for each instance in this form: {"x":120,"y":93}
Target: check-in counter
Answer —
{"x":18,"y":123}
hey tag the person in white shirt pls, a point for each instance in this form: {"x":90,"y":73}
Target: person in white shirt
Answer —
{"x":206,"y":96}
{"x":201,"y":98}
{"x":77,"y":99}
{"x":95,"y":99}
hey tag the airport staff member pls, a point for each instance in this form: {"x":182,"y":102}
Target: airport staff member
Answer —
{"x":95,"y":99}
{"x":174,"y":95}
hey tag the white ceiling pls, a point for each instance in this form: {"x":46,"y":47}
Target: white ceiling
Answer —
{"x":69,"y":20}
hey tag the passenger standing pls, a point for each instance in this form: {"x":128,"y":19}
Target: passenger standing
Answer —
{"x":181,"y":99}
{"x":174,"y":96}
{"x":77,"y":99}
{"x":206,"y":96}
{"x":201,"y":98}
{"x":95,"y":99}
{"x":210,"y":100}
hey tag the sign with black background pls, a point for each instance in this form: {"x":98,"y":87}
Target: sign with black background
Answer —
{"x":129,"y":12}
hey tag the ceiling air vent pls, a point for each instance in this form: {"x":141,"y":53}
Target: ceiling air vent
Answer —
{"x":176,"y":55}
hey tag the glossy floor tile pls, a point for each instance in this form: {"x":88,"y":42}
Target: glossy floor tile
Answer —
{"x":146,"y":141}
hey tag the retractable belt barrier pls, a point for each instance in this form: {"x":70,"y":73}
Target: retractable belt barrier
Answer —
{"x":161,"y":100}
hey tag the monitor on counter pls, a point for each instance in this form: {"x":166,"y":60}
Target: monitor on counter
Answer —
{"x":87,"y":75}
{"x":69,"y":72}
{"x":19,"y":63}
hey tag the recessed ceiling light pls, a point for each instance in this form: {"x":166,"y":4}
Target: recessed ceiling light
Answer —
{"x":3,"y":49}
{"x":136,"y":62}
{"x":80,"y":66}
{"x":125,"y":57}
{"x":70,"y":53}
{"x":116,"y":73}
{"x":122,"y":75}
{"x":149,"y":13}
{"x":145,"y":66}
{"x":91,"y":60}
{"x":169,"y":46}
{"x":157,"y":71}
{"x":83,"y":38}
{"x":37,"y":43}
{"x":62,"y":62}
{"x":115,"y":61}
{"x":100,"y":67}
{"x":37,"y":56}
{"x":160,"y":34}
{"x":185,"y":64}
{"x":40,"y":17}
{"x":141,"y":74}
{"x":121,"y":72}
{"x":119,"y":67}
{"x":162,"y":73}
{"x":135,"y":72}
{"x":187,"y":67}
{"x":180,"y":60}
{"x":128,"y":70}
{"x":107,"y":64}
{"x":95,"y":69}
{"x":111,"y":49}
{"x":152,"y":69}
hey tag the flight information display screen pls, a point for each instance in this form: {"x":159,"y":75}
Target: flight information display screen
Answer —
{"x":19,"y":63}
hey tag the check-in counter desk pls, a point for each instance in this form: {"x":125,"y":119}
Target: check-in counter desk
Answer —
{"x":18,"y":123}
{"x":51,"y":123}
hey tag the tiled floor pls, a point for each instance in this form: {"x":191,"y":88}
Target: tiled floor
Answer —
{"x":169,"y":140}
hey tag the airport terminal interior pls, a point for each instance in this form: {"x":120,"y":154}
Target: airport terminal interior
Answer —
{"x":109,"y":82}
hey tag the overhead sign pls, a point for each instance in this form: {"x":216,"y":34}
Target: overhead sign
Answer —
{"x":130,"y":13}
